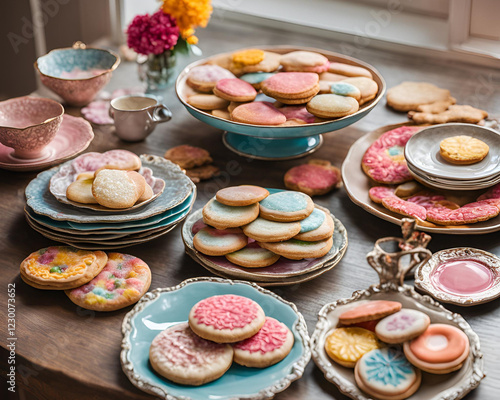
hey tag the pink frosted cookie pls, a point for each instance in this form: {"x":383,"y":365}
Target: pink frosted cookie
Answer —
{"x":258,"y":113}
{"x":119,"y":159}
{"x":369,"y":311}
{"x":291,"y":86}
{"x":404,"y":207}
{"x":226,"y":318}
{"x":468,"y":214}
{"x":405,"y":325}
{"x":384,"y":161}
{"x":235,"y":90}
{"x":122,"y":282}
{"x":267,"y":347}
{"x":205,"y":77}
{"x":314,"y":178}
{"x":297,"y":112}
{"x":379,"y":193}
{"x":181,"y":356}
{"x":218,"y":242}
{"x":492,"y":193}
{"x":304,"y":61}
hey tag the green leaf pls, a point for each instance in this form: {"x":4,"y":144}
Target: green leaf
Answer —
{"x":182,"y":46}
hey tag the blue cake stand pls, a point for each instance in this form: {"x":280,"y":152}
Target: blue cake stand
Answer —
{"x":278,"y":142}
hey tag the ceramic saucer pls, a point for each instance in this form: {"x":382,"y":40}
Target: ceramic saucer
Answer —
{"x":73,"y":137}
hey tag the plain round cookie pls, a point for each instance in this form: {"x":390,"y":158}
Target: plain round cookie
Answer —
{"x":386,"y":374}
{"x":258,"y":113}
{"x":226,"y":318}
{"x":404,"y":325}
{"x":368,"y":87}
{"x":215,"y":242}
{"x":207,"y":102}
{"x":463,"y":150}
{"x":304,"y":61}
{"x":298,"y":249}
{"x":349,"y":70}
{"x":263,"y":230}
{"x":407,"y":96}
{"x":242,"y":195}
{"x":271,"y":344}
{"x":221,"y":216}
{"x":286,"y":206}
{"x":368,"y":311}
{"x":81,"y":191}
{"x":122,"y":282}
{"x":332,"y":106}
{"x":171,"y":356}
{"x":324,"y":231}
{"x":186,"y":156}
{"x":253,"y":256}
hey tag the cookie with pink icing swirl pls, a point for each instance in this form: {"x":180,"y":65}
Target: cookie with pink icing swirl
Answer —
{"x":226,"y":318}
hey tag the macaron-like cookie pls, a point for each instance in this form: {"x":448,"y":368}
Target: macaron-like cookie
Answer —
{"x":183,"y":357}
{"x":269,"y":345}
{"x":122,"y":282}
{"x":291,"y":86}
{"x":332,"y":106}
{"x":369,"y":311}
{"x":256,"y":78}
{"x":253,"y":256}
{"x":348,"y":70}
{"x":317,"y":177}
{"x":304,"y":61}
{"x":207,"y":102}
{"x":258,"y":113}
{"x":298,"y":249}
{"x":204,"y":77}
{"x":368,"y":87}
{"x":441,"y":349}
{"x":286,"y":206}
{"x":226,"y":318}
{"x":235,"y":90}
{"x":404,"y":325}
{"x":264,"y":230}
{"x":219,"y":242}
{"x":242,"y":195}
{"x":345,"y":89}
{"x":297,"y":113}
{"x":386,"y":374}
{"x":346,"y":346}
{"x":324,"y":231}
{"x":221,"y":216}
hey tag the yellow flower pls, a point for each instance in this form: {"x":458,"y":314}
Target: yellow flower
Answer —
{"x":189,"y":15}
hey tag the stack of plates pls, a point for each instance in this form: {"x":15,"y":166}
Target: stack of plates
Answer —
{"x":429,"y":168}
{"x":101,"y":230}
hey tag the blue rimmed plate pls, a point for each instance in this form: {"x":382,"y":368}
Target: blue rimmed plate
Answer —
{"x":165,"y":307}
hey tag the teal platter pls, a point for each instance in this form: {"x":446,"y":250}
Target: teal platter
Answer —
{"x":165,"y":307}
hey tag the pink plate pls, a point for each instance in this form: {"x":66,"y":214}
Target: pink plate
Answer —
{"x":73,"y":137}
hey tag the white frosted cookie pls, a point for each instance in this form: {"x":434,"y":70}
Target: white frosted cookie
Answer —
{"x":270,"y":345}
{"x":404,"y":325}
{"x":218,"y":242}
{"x":297,"y":249}
{"x":222,"y":216}
{"x":324,"y":231}
{"x":114,"y":188}
{"x":181,"y":356}
{"x":253,"y":256}
{"x":226,"y":318}
{"x":264,"y":230}
{"x":286,"y":206}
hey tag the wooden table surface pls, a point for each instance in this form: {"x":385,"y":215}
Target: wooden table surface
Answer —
{"x":65,"y":353}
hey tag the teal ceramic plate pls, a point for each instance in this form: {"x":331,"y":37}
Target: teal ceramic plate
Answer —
{"x":165,"y":307}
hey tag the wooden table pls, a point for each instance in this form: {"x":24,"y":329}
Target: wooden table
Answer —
{"x":62,"y":353}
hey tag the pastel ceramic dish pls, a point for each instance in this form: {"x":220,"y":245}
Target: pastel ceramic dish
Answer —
{"x":279,"y":142}
{"x":463,"y":276}
{"x":77,"y":74}
{"x":73,"y":137}
{"x":165,"y":307}
{"x":28,"y":124}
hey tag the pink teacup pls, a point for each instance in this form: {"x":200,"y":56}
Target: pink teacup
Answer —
{"x":28,"y":124}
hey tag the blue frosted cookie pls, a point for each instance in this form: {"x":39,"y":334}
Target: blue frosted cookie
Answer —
{"x":345,"y":89}
{"x":256,"y":78}
{"x":221,"y":216}
{"x":286,"y":206}
{"x":322,"y":231}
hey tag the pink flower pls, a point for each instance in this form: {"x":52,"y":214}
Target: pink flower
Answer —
{"x":152,"y":34}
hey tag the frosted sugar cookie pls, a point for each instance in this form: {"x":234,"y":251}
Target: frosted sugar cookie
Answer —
{"x":218,"y":242}
{"x":253,"y":256}
{"x":346,"y":346}
{"x":61,"y":267}
{"x":297,"y":113}
{"x":439,"y":350}
{"x":304,"y":61}
{"x":270,"y":63}
{"x":258,"y":113}
{"x":242,"y":195}
{"x":256,"y":78}
{"x":205,"y":77}
{"x":269,"y":345}
{"x":226,"y":318}
{"x":322,"y":232}
{"x":289,"y":86}
{"x":404,"y":325}
{"x":207,"y":102}
{"x":463,"y":150}
{"x":470,"y":213}
{"x":368,"y":87}
{"x":114,"y":188}
{"x":332,"y":106}
{"x":369,"y":311}
{"x":345,"y":89}
{"x":386,"y":374}
{"x":317,"y":177}
{"x":122,"y":282}
{"x":221,"y":216}
{"x":298,"y":249}
{"x":404,"y":207}
{"x":264,"y":230}
{"x":118,"y":159}
{"x":286,"y":206}
{"x":235,"y":90}
{"x":181,"y":356}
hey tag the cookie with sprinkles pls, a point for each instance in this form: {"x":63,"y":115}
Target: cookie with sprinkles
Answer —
{"x":61,"y":267}
{"x":122,"y":282}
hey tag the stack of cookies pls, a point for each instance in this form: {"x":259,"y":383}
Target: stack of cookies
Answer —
{"x":253,"y":228}
{"x":388,"y":346}
{"x":306,"y":85}
{"x":91,"y":279}
{"x":221,"y":329}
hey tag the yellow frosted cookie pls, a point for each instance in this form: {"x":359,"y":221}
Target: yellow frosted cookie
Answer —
{"x":346,"y":346}
{"x":248,"y":57}
{"x":463,"y":149}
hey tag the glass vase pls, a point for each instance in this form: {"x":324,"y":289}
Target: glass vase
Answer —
{"x":159,"y":71}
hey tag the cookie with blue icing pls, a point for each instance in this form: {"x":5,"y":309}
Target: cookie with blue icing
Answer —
{"x":386,"y":374}
{"x":286,"y":206}
{"x":345,"y":89}
{"x":298,"y":249}
{"x":222,"y":216}
{"x":264,"y":230}
{"x":219,"y":242}
{"x":323,"y":231}
{"x":256,"y":78}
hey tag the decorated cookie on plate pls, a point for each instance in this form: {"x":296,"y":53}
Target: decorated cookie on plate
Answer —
{"x":299,"y":249}
{"x":122,"y":282}
{"x":254,"y":60}
{"x":315,"y":178}
{"x":286,"y":206}
{"x":345,"y":89}
{"x":186,"y":156}
{"x":368,"y":88}
{"x":348,"y":70}
{"x":258,"y":113}
{"x":226,"y":318}
{"x":118,"y":189}
{"x":256,"y":78}
{"x":463,"y":150}
{"x":332,"y":106}
{"x":204,"y":77}
{"x":291,"y":87}
{"x":242,"y":195}
{"x":402,"y":326}
{"x":263,"y":230}
{"x":219,"y":242}
{"x":297,"y":113}
{"x":322,"y":232}
{"x":369,"y":311}
{"x":207,"y":102}
{"x":253,"y":256}
{"x":183,"y":357}
{"x":222,"y":216}
{"x":304,"y":61}
{"x":268,"y":346}
{"x":235,"y":90}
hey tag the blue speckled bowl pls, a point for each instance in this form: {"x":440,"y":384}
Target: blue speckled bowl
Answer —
{"x":279,"y":142}
{"x":77,"y":74}
{"x":165,"y":307}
